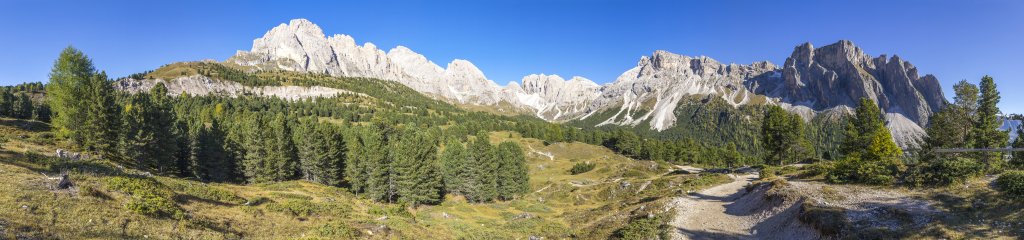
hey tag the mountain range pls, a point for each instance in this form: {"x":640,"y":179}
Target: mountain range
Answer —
{"x":812,"y":81}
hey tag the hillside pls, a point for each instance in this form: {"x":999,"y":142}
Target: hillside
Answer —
{"x":591,"y":205}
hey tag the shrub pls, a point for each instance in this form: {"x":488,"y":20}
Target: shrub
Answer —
{"x":390,"y":211}
{"x":946,"y":171}
{"x":335,"y":230}
{"x":582,"y":168}
{"x":1011,"y":183}
{"x":148,"y":197}
{"x":768,"y":172}
{"x":642,"y":228}
{"x":854,"y":169}
{"x":827,"y":220}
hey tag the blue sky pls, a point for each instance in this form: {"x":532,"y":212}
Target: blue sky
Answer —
{"x":599,"y":40}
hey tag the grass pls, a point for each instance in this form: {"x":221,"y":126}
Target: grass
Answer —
{"x":108,"y":201}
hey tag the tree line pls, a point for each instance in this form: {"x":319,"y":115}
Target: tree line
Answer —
{"x":397,"y":155}
{"x":868,"y":153}
{"x":20,"y":101}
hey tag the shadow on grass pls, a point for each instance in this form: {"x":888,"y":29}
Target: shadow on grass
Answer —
{"x":26,"y":125}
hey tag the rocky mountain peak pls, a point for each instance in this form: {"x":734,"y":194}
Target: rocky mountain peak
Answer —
{"x":841,"y":73}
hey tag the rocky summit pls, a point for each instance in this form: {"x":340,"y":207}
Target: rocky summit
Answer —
{"x":812,"y":80}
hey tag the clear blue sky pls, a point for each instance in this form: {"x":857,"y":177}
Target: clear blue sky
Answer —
{"x":509,"y":39}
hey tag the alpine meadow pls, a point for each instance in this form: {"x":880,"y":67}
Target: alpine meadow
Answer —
{"x":309,"y":134}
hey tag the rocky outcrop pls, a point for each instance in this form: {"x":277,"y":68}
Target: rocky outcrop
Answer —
{"x":553,"y":98}
{"x":840,"y":74}
{"x":302,"y":46}
{"x":652,"y":90}
{"x":202,"y":86}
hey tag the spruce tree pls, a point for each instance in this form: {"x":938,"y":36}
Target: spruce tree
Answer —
{"x":783,"y":137}
{"x":6,"y":102}
{"x":986,"y":127}
{"x":512,"y":174}
{"x":418,"y":177}
{"x":101,"y":114}
{"x":483,"y":186}
{"x":322,"y":150}
{"x":22,"y":107}
{"x":455,"y":168}
{"x":68,"y":80}
{"x":871,"y":156}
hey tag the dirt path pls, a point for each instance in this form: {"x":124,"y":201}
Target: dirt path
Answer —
{"x":703,"y":215}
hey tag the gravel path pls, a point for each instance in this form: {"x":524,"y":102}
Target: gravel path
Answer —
{"x":703,"y":215}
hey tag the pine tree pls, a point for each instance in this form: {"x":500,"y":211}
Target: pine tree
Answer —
{"x":986,"y":127}
{"x":6,"y":102}
{"x":213,"y":162}
{"x":68,"y":80}
{"x":871,"y":156}
{"x":22,"y":107}
{"x":783,"y":137}
{"x":512,"y":173}
{"x":483,"y":186}
{"x":160,"y":121}
{"x":100,"y":126}
{"x":380,"y":180}
{"x":455,"y":168}
{"x":322,"y":150}
{"x":416,"y":165}
{"x":134,"y":134}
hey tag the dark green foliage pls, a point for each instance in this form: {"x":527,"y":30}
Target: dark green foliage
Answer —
{"x":512,"y":173}
{"x":783,"y":137}
{"x":148,"y":137}
{"x":870,"y":155}
{"x":455,"y":168}
{"x":101,"y":115}
{"x":1011,"y":183}
{"x":946,"y":170}
{"x":582,"y":167}
{"x":418,"y":177}
{"x":986,"y":127}
{"x":211,"y":160}
{"x":483,"y":181}
{"x":148,"y":197}
{"x":321,"y":149}
{"x":270,"y":154}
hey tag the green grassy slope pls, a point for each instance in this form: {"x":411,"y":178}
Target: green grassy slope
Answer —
{"x":591,"y":205}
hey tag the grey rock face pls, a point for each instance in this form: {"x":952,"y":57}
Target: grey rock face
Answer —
{"x":840,"y":74}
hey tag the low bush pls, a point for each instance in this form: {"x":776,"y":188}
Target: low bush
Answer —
{"x":148,"y":197}
{"x":389,"y":210}
{"x":945,"y":171}
{"x":853,"y":169}
{"x":827,"y":220}
{"x":582,"y":167}
{"x":335,"y":230}
{"x":642,"y":228}
{"x":1011,"y":183}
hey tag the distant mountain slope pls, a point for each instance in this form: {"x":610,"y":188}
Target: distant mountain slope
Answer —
{"x":812,"y":80}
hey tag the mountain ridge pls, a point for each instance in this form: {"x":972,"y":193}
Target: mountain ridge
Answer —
{"x":812,"y":80}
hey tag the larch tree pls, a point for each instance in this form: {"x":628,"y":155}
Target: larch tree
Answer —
{"x":69,"y":79}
